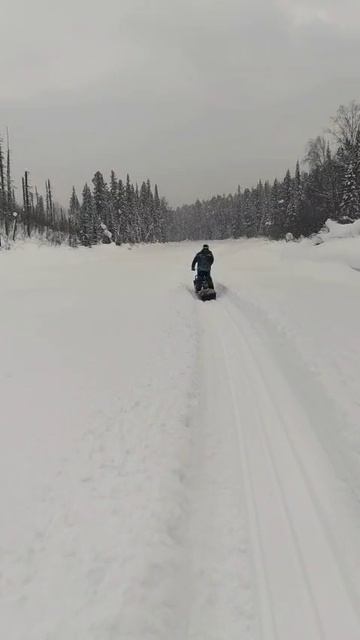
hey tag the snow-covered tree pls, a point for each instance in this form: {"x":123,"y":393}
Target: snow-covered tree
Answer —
{"x":88,"y":233}
{"x":102,"y":206}
{"x":74,"y":218}
{"x":350,"y":205}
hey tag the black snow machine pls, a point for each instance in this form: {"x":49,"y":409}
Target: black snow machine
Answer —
{"x":203,"y":288}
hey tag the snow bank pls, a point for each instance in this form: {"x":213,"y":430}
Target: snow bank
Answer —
{"x":335,"y":230}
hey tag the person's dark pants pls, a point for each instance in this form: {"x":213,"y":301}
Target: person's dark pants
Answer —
{"x":201,"y":275}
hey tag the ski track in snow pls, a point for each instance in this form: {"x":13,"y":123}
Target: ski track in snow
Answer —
{"x":302,"y":589}
{"x":173,"y":483}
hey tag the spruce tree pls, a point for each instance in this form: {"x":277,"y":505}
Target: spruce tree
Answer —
{"x":129,"y":231}
{"x":276,"y":206}
{"x":74,"y":218}
{"x":136,"y":217}
{"x":350,"y":205}
{"x":249,"y":214}
{"x":50,"y":211}
{"x":236,"y":216}
{"x":87,"y":219}
{"x":258,"y":195}
{"x":294,"y":210}
{"x":114,"y":207}
{"x":102,"y":207}
{"x":266,"y":221}
{"x":144,"y":212}
{"x":285,"y":208}
{"x":158,"y":222}
{"x":151,"y":212}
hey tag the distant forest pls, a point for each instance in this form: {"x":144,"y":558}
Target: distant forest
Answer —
{"x":328,"y":186}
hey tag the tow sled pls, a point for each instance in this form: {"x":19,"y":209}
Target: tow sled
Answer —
{"x":203,"y":290}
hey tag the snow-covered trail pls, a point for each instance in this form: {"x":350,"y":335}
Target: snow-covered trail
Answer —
{"x":175,"y":469}
{"x":300,"y":586}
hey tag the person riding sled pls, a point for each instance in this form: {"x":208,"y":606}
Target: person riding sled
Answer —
{"x":204,"y":260}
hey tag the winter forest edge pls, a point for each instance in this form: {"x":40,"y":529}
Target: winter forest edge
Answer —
{"x":121,"y":212}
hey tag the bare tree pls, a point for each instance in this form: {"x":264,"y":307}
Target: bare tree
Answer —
{"x":15,"y":217}
{"x":346,"y":125}
{"x":316,"y":151}
{"x":49,"y":204}
{"x":26,"y":198}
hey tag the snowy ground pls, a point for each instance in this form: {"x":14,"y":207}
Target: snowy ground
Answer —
{"x":171,"y":469}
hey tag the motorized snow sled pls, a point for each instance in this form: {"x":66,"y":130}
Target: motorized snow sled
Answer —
{"x":203,"y":288}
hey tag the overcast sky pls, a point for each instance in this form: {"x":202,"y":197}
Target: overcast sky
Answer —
{"x":198,"y":95}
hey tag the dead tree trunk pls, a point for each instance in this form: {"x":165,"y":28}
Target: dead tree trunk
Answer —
{"x":3,"y":204}
{"x":27,"y":207}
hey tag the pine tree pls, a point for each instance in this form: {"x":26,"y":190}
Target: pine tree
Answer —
{"x":129,"y":231}
{"x":294,"y":210}
{"x":87,"y":219}
{"x":285,"y":205}
{"x":27,"y":202}
{"x":144,"y":213}
{"x":74,"y":218}
{"x":249,"y":213}
{"x":136,"y":217}
{"x":236,"y":217}
{"x":331,"y":184}
{"x":163,"y":216}
{"x":151,"y":212}
{"x":74,"y":206}
{"x":102,"y":207}
{"x":50,"y":211}
{"x":276,"y":205}
{"x":114,"y":207}
{"x":158,"y":222}
{"x":350,"y":205}
{"x":121,"y":215}
{"x":258,"y":196}
{"x":266,"y":221}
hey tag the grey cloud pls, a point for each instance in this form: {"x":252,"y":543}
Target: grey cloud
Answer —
{"x":200,"y":95}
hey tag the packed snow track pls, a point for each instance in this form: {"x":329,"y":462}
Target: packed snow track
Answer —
{"x":300,"y":587}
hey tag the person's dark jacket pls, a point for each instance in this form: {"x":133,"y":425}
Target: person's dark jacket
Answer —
{"x":204,"y":259}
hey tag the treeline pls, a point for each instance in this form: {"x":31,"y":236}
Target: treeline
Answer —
{"x":34,"y":214}
{"x":298,"y":205}
{"x":328,"y":186}
{"x":119,"y":212}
